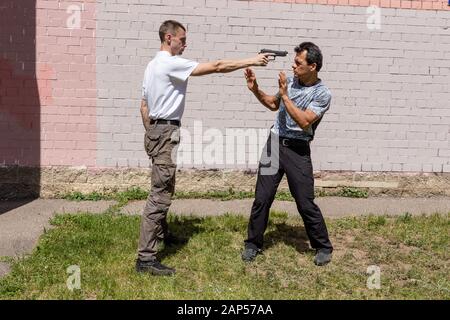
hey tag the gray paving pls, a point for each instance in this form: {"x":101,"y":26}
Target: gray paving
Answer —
{"x":331,"y":206}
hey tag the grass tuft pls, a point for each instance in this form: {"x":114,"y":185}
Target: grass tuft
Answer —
{"x":230,"y":194}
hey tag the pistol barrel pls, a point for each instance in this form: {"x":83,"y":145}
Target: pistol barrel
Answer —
{"x":274,"y":52}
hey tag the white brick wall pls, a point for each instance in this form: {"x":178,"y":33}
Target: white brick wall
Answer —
{"x":390,"y":109}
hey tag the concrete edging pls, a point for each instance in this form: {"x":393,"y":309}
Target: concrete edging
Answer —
{"x":52,"y":181}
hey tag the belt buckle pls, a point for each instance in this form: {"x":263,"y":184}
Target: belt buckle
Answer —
{"x":285,"y":142}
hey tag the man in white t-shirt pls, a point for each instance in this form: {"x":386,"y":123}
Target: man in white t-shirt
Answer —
{"x":162,"y":106}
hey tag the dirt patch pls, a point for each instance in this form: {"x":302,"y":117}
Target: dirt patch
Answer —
{"x":346,"y":247}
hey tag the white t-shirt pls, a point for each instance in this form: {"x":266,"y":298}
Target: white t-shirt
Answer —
{"x":165,"y":83}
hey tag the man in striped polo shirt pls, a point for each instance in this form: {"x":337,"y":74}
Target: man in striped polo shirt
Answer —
{"x":301,"y":103}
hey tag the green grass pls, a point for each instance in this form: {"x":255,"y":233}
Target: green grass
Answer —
{"x":139,"y":194}
{"x":353,"y":192}
{"x":412,"y":253}
{"x":230,"y":194}
{"x":123,"y":196}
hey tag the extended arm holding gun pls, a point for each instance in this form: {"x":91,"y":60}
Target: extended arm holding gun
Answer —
{"x":274,"y":53}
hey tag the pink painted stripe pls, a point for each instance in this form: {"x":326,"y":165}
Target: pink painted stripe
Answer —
{"x":66,"y":80}
{"x":397,"y":4}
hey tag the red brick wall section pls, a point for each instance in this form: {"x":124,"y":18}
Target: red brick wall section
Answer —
{"x":399,"y":4}
{"x":48,"y":83}
{"x":19,"y":94}
{"x":65,"y":46}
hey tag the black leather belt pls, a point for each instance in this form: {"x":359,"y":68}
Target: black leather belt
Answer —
{"x":162,"y":121}
{"x":295,"y":143}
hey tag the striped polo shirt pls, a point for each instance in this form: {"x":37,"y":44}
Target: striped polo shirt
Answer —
{"x":317,"y":98}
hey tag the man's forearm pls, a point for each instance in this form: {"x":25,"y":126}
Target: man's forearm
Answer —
{"x":224,"y":66}
{"x":145,"y":115}
{"x":270,"y":102}
{"x":303,"y":118}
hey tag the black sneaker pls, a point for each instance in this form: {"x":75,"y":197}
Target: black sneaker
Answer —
{"x":171,"y":239}
{"x":154,"y":267}
{"x":323,"y":256}
{"x":249,"y":254}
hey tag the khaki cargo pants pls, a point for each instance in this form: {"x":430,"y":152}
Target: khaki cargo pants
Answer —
{"x":161,"y":144}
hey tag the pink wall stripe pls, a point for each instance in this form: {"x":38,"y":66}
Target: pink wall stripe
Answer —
{"x":65,"y":49}
{"x":397,"y":4}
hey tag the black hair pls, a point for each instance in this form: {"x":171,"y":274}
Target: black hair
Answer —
{"x":314,"y":55}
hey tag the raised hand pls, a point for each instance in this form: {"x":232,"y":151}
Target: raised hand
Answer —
{"x":282,"y":84}
{"x":251,"y":79}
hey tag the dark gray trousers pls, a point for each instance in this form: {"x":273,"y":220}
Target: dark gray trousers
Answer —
{"x":295,"y":162}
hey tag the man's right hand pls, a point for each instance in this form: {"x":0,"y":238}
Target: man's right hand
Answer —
{"x":270,"y":102}
{"x":261,"y":59}
{"x":251,"y":79}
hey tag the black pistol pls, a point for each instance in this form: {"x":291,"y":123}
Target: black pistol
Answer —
{"x":274,"y":53}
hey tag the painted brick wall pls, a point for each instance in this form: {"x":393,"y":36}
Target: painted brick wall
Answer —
{"x":402,"y":4}
{"x":390,"y":109}
{"x":65,"y":46}
{"x":389,"y":79}
{"x":19,"y":93}
{"x":48,"y":94}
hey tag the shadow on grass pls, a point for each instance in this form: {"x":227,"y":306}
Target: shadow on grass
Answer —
{"x":182,"y":227}
{"x":294,"y":236}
